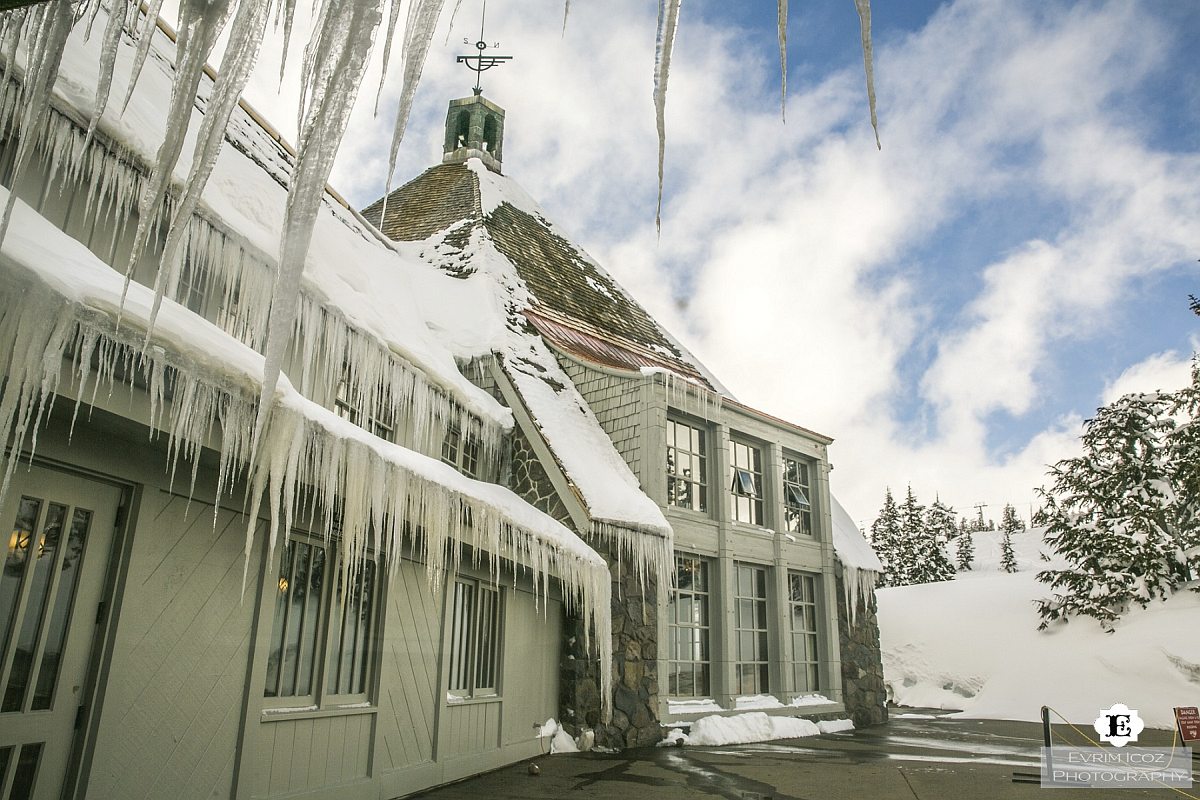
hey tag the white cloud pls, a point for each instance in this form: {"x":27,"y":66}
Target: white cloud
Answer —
{"x":1164,"y":372}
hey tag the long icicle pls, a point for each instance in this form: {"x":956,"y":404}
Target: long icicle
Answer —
{"x":566,"y":13}
{"x":200,"y":23}
{"x":393,"y":18}
{"x":340,"y":59}
{"x":783,"y":21}
{"x":418,"y":32}
{"x":117,"y":13}
{"x":246,"y":36}
{"x":52,"y":25}
{"x":143,"y":48}
{"x":864,"y":23}
{"x":668,"y":22}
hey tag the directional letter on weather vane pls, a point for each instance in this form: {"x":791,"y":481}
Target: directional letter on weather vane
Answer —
{"x":479,"y":62}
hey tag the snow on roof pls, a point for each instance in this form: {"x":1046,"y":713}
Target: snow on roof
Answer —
{"x":860,"y":566}
{"x":494,"y":293}
{"x":347,"y":267}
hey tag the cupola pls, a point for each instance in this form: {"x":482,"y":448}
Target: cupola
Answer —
{"x":474,"y":129}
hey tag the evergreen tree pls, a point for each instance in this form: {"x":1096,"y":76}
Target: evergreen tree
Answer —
{"x":1008,"y":558}
{"x":932,"y":562}
{"x":1124,"y":514}
{"x":965,"y":552}
{"x":1010,"y":522}
{"x":912,"y":534}
{"x":885,"y":537}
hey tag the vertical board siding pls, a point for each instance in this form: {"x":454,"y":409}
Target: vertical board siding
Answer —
{"x":410,"y":687}
{"x":316,"y":752}
{"x":172,"y":704}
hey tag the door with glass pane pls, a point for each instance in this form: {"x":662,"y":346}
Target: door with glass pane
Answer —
{"x":59,"y":531}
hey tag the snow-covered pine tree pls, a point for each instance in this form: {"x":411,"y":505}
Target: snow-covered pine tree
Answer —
{"x":932,"y":562}
{"x":1123,"y":514}
{"x":1008,"y":558}
{"x":885,"y":536}
{"x":964,"y":549}
{"x":1009,"y":521}
{"x":912,"y":534}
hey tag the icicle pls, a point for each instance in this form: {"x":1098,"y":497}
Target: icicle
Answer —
{"x":783,"y":21}
{"x":289,"y":13}
{"x":52,"y":25}
{"x":566,"y":13}
{"x":864,"y":22}
{"x":108,"y":57}
{"x":668,"y":22}
{"x":339,"y":60}
{"x":245,"y":38}
{"x":418,"y":32}
{"x":200,"y":23}
{"x":453,"y":16}
{"x":143,"y":48}
{"x":393,"y":17}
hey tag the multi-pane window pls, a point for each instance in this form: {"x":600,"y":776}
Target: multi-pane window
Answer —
{"x":751,"y":627}
{"x":687,"y":466}
{"x":689,"y":661}
{"x":351,"y":405}
{"x":797,"y":496}
{"x":461,"y":452}
{"x":802,"y":590}
{"x":475,"y":633}
{"x":746,"y":483}
{"x":322,"y":638}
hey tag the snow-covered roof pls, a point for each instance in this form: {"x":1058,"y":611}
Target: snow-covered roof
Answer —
{"x":483,"y":230}
{"x":860,"y":566}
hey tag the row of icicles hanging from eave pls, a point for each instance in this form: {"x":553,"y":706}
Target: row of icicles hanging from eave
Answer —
{"x":334,"y":64}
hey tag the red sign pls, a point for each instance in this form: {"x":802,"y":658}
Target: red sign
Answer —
{"x":1188,"y":720}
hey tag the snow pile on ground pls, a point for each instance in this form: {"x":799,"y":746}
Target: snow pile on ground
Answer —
{"x":753,"y":726}
{"x":972,"y":644}
{"x":560,"y":740}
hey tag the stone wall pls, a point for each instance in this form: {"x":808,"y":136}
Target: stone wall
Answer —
{"x":635,"y":720}
{"x":863,"y":689}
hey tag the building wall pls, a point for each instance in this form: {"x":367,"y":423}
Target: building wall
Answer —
{"x":865,"y":694}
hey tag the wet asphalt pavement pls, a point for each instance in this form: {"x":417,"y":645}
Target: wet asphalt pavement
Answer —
{"x":909,"y":758}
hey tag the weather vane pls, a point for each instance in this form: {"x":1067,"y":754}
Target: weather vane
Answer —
{"x":479,"y":62}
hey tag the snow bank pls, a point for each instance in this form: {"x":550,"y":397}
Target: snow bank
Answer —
{"x":972,"y":644}
{"x":860,"y":565}
{"x":753,"y":726}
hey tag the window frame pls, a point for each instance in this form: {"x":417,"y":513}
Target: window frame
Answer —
{"x":804,"y":469}
{"x":700,"y":625}
{"x":463,"y":681}
{"x":695,"y":489}
{"x":746,"y":488}
{"x":809,"y":599}
{"x":758,"y":628}
{"x":349,"y":407}
{"x":462,"y":450}
{"x":324,"y":659}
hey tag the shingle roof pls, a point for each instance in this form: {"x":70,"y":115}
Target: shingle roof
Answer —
{"x":566,"y":285}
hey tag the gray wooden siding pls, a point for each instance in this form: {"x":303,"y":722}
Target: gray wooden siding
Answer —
{"x":410,"y":686}
{"x":316,"y":752}
{"x":173,"y":701}
{"x":617,"y":403}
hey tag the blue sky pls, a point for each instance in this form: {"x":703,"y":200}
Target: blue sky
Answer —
{"x":950,"y":308}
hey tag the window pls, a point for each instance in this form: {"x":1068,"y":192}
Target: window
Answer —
{"x":689,"y":662}
{"x":475,"y":640}
{"x":802,"y":590}
{"x":687,"y":470}
{"x":461,"y":452}
{"x":322,"y":641}
{"x":797,"y":496}
{"x":745,"y":465}
{"x":192,"y":288}
{"x":351,"y":405}
{"x":751,"y":619}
